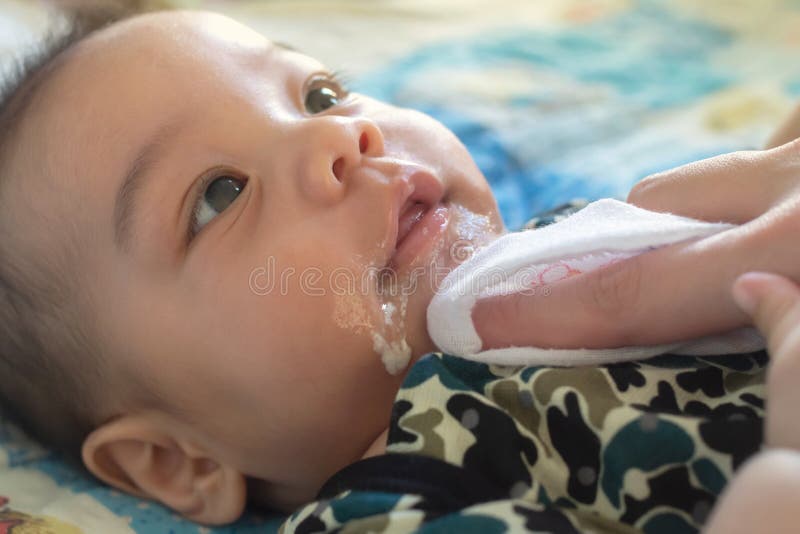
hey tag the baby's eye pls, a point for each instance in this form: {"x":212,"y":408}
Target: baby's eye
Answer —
{"x":215,"y":196}
{"x":323,"y":93}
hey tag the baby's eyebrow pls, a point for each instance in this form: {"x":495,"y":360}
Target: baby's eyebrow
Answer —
{"x":126,"y":203}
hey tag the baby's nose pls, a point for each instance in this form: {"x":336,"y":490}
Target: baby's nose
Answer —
{"x":335,"y":147}
{"x":339,"y":164}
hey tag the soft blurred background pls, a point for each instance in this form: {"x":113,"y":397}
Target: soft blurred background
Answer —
{"x":555,"y":99}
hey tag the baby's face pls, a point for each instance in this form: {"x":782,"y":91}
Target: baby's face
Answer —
{"x":252,"y":281}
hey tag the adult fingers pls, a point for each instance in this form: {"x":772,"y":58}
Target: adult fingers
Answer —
{"x":774,"y":303}
{"x":734,"y":188}
{"x":677,"y":292}
{"x":789,"y":130}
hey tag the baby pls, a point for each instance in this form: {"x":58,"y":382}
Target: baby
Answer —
{"x":201,"y":156}
{"x":227,"y":315}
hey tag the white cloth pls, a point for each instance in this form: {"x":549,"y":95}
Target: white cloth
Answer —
{"x":601,"y":232}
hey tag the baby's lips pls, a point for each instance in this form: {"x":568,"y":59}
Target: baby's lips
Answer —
{"x":428,"y":189}
{"x":410,"y":215}
{"x":414,"y":185}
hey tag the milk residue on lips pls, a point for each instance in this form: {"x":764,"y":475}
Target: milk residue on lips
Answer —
{"x":391,"y":343}
{"x":389,"y":339}
{"x":472,"y":230}
{"x":384,"y":317}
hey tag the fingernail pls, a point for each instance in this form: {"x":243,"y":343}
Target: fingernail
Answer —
{"x":745,"y":297}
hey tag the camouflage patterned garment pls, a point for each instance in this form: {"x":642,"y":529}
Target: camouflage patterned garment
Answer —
{"x":637,"y":446}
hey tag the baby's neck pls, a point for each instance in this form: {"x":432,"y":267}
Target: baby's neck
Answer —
{"x":378,"y":446}
{"x":262,"y":495}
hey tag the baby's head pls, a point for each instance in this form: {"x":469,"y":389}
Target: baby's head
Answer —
{"x":200,"y":267}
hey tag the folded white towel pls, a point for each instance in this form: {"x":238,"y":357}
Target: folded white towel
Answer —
{"x":604,"y":231}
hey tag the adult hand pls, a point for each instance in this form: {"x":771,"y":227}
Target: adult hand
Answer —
{"x":774,"y":304}
{"x":680,"y":291}
{"x":763,"y":492}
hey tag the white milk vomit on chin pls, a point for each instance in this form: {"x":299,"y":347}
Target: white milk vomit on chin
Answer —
{"x":351,"y":313}
{"x":357,"y":313}
{"x":388,"y":310}
{"x":395,"y":355}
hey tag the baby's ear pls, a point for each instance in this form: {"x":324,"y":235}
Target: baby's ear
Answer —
{"x":135,"y":454}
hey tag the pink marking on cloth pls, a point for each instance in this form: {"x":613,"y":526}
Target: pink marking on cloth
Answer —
{"x":561,"y":270}
{"x":557,"y":271}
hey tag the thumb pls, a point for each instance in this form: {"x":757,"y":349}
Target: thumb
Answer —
{"x":773,"y":302}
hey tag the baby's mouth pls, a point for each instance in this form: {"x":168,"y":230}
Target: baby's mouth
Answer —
{"x":421,"y":219}
{"x":410,"y":215}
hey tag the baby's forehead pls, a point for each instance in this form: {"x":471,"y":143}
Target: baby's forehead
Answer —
{"x":107,"y":92}
{"x":110,"y":82}
{"x":165,"y":37}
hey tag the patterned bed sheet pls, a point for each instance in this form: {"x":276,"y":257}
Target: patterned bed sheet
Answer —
{"x":555,"y":99}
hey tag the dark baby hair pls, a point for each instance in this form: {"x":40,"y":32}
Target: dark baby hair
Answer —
{"x":53,"y":371}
